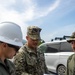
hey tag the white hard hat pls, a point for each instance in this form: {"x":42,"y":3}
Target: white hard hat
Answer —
{"x":11,"y":33}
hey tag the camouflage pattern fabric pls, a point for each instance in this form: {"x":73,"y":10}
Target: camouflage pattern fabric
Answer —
{"x":29,"y":63}
{"x":34,"y":32}
{"x":71,"y":65}
{"x":72,"y":37}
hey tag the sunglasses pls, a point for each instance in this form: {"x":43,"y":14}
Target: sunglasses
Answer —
{"x":15,"y":47}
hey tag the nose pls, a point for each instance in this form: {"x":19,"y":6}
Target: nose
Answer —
{"x":14,"y":52}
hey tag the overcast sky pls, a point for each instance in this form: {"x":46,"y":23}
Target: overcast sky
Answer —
{"x":55,"y":17}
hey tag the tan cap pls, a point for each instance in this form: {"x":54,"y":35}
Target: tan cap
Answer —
{"x":34,"y":32}
{"x":72,"y":38}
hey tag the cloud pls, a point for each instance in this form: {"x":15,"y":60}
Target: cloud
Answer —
{"x":34,"y":12}
{"x":45,"y":11}
{"x":5,"y":3}
{"x":23,"y":11}
{"x":8,"y":11}
{"x":30,"y":11}
{"x":65,"y":7}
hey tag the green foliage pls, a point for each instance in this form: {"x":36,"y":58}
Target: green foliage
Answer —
{"x":41,"y":41}
{"x":23,"y":41}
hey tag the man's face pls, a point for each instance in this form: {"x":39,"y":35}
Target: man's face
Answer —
{"x":32,"y":43}
{"x":8,"y":51}
{"x":73,"y":45}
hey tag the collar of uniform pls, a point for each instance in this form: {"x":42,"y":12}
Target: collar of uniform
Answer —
{"x":6,"y":62}
{"x":29,"y":49}
{"x":9,"y":66}
{"x":1,"y":62}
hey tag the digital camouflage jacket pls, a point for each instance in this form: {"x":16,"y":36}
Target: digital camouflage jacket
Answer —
{"x":71,"y":65}
{"x":29,"y":63}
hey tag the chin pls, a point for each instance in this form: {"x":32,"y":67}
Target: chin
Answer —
{"x":35,"y":46}
{"x":10,"y":57}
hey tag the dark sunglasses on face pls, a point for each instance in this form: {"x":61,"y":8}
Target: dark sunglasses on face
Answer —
{"x":15,"y":47}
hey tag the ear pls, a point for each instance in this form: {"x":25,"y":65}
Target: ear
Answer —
{"x":4,"y":44}
{"x":27,"y":37}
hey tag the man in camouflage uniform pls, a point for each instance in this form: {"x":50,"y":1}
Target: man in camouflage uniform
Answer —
{"x":71,"y":60}
{"x":29,"y":61}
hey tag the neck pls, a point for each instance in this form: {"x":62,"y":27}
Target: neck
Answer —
{"x":2,"y":56}
{"x":33,"y":48}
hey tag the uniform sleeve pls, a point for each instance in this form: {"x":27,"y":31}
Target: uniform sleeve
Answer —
{"x":19,"y":61}
{"x":67,"y":68}
{"x":66,"y":73}
{"x":46,"y":70}
{"x":45,"y":67}
{"x":41,"y":51}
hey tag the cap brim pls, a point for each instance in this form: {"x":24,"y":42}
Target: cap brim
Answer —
{"x":70,"y":40}
{"x":35,"y":37}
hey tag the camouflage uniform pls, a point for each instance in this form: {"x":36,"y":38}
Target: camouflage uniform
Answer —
{"x":27,"y":61}
{"x":71,"y":65}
